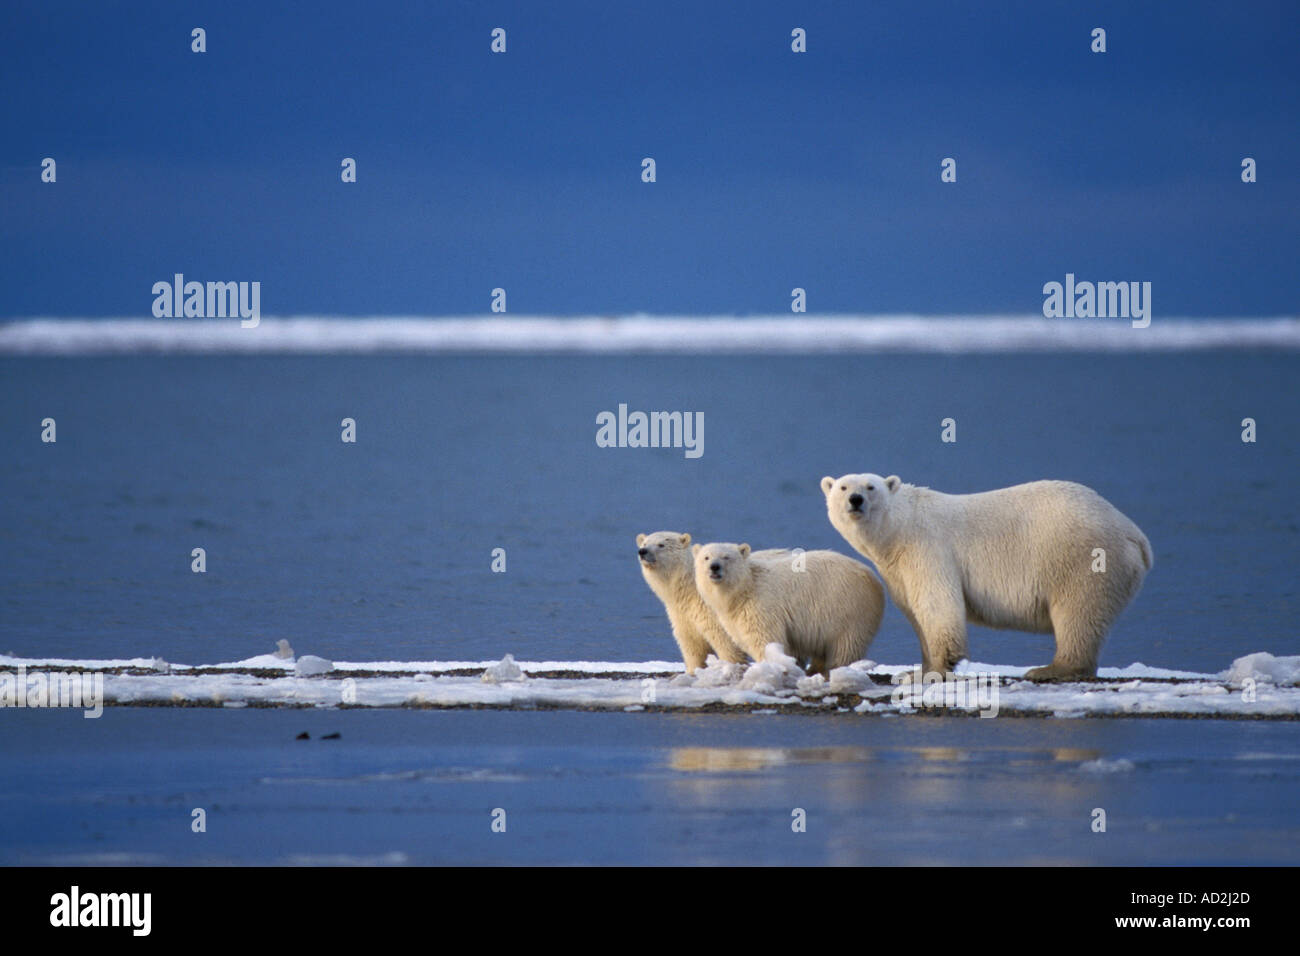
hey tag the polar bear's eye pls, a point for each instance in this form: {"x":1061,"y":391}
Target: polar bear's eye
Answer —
{"x":844,"y":487}
{"x":871,"y":487}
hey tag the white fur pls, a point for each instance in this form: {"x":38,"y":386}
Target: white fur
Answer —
{"x":1019,"y":558}
{"x":670,"y":571}
{"x":828,"y":612}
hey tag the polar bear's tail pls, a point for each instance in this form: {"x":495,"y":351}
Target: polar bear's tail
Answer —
{"x":1145,"y":547}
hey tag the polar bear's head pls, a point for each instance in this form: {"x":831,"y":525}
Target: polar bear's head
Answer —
{"x":664,"y":553}
{"x":720,"y":564}
{"x":855,"y":502}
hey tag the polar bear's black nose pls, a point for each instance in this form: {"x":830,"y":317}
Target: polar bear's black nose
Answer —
{"x":715,"y":566}
{"x":643,"y":551}
{"x":855,"y":500}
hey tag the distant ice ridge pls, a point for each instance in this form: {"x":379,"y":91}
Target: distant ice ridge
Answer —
{"x":640,"y":334}
{"x":1257,"y":685}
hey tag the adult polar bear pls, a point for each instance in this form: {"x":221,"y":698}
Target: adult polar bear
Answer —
{"x":1021,"y":558}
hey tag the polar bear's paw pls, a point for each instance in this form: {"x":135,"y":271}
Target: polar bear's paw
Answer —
{"x":1060,"y":673}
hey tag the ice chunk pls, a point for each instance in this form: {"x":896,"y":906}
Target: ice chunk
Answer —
{"x":814,"y":686}
{"x":777,"y":671}
{"x":283,"y":650}
{"x":504,"y":670}
{"x":310,"y":665}
{"x":853,"y":679}
{"x":718,"y":673}
{"x":1264,"y":668}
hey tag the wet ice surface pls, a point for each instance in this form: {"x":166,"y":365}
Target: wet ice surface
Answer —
{"x":403,"y":786}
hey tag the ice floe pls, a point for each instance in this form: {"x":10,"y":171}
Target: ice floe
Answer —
{"x":1257,"y":686}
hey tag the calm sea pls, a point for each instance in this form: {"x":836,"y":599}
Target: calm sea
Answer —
{"x":383,"y":549}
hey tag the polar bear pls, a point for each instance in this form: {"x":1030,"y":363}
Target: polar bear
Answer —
{"x":1050,"y":557}
{"x":668,"y":567}
{"x":818,"y":605}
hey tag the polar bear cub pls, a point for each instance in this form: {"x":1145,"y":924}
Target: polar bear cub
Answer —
{"x":818,"y":605}
{"x":668,"y":567}
{"x":1049,"y":557}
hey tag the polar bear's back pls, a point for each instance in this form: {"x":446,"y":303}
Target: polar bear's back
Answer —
{"x":1025,"y":548}
{"x":833,"y":593}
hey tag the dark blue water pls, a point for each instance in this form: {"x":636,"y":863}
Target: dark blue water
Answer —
{"x":420,"y":787}
{"x":383,"y":549}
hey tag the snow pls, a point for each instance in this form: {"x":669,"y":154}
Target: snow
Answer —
{"x":853,"y":679}
{"x":261,"y":662}
{"x":776,"y":675}
{"x":311,"y":666}
{"x":776,"y":683}
{"x":1264,"y":668}
{"x":715,"y":673}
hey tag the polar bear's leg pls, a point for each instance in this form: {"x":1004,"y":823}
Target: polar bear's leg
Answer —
{"x":849,"y":647}
{"x":1080,"y":630}
{"x":755,"y":640}
{"x":945,"y":646}
{"x":940,"y":621}
{"x":693,"y":646}
{"x":728,"y":650}
{"x":852,"y":643}
{"x":840,"y":654}
{"x":906,"y":677}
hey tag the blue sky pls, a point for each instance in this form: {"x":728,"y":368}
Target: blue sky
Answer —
{"x":775,"y":170}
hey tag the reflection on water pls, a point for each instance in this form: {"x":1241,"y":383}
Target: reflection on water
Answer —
{"x":729,"y":759}
{"x":887,"y":803}
{"x":1075,"y":754}
{"x":600,"y":788}
{"x":734,"y":759}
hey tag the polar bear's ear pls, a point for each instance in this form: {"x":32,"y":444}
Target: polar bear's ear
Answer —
{"x":640,"y":540}
{"x":827,"y":484}
{"x":744,"y":550}
{"x":686,"y":539}
{"x":695,"y":549}
{"x":892,"y":482}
